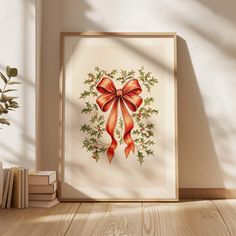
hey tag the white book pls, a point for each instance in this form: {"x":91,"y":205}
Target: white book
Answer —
{"x":43,"y":204}
{"x":42,"y":177}
{"x":26,"y":189}
{"x":51,"y":188}
{"x":1,"y":182}
{"x":42,"y":196}
{"x":10,"y":187}
{"x":16,"y":192}
{"x":22,"y":187}
{"x":6,"y":173}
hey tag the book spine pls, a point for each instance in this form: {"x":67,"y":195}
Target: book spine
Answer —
{"x":26,"y":188}
{"x":10,"y":187}
{"x":6,"y":186}
{"x":22,"y":188}
{"x":1,"y":183}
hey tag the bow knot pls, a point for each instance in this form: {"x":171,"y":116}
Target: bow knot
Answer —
{"x":119,"y":93}
{"x":129,"y":97}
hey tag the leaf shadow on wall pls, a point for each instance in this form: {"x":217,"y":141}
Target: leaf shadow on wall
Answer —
{"x":24,"y":153}
{"x":194,"y":136}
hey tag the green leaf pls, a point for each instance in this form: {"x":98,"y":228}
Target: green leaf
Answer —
{"x":150,"y":152}
{"x":13,"y":82}
{"x":14,"y":105}
{"x":4,"y":121}
{"x":3,"y":77}
{"x":121,"y":124}
{"x":8,"y":98}
{"x":8,"y":70}
{"x":148,"y":101}
{"x":1,"y":108}
{"x":85,"y":128}
{"x":9,"y":90}
{"x":11,"y":72}
{"x":140,"y":157}
{"x":84,"y":94}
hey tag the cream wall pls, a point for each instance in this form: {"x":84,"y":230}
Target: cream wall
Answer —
{"x":206,"y":75}
{"x":17,"y":49}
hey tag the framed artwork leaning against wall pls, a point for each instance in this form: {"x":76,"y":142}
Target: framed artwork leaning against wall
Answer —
{"x":118,"y":117}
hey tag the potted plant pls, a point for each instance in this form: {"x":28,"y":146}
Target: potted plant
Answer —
{"x":7,"y":103}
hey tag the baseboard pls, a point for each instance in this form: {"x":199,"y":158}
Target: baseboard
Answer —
{"x":207,"y":193}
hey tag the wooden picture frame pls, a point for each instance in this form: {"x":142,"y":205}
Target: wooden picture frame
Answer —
{"x":79,"y":52}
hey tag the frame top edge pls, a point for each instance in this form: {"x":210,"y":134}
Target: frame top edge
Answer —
{"x":163,"y":34}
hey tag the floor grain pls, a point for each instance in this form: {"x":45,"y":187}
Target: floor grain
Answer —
{"x":227,"y":209}
{"x":190,"y":218}
{"x":37,"y":221}
{"x":107,"y":219}
{"x":182,"y":218}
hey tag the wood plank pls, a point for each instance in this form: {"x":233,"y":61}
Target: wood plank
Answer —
{"x":227,"y":209}
{"x":183,"y":218}
{"x":37,"y":221}
{"x":107,"y":219}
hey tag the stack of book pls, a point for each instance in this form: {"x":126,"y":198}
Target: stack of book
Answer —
{"x":15,"y":189}
{"x":42,"y":189}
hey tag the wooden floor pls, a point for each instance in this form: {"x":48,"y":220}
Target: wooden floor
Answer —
{"x":203,"y":218}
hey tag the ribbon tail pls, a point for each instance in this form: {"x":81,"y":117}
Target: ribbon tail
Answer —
{"x":129,"y":125}
{"x":110,"y":128}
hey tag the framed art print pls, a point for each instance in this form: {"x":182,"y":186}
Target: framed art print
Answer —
{"x":118,"y":117}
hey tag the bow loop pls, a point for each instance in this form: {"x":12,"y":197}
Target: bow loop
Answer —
{"x":132,"y":86}
{"x":106,"y":85}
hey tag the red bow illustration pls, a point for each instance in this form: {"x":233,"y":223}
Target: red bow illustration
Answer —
{"x":129,"y":97}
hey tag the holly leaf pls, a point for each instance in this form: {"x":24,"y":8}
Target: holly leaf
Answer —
{"x":148,"y":101}
{"x":149,"y":152}
{"x":85,"y":128}
{"x":84,"y":94}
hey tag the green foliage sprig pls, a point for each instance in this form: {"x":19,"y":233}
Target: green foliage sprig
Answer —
{"x":125,"y":76}
{"x":147,"y":79}
{"x":8,"y":103}
{"x":94,"y":132}
{"x":93,"y":79}
{"x":144,"y":133}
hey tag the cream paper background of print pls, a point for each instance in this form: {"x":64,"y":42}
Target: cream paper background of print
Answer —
{"x":123,"y":178}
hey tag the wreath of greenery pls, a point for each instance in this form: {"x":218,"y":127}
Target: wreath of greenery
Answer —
{"x":143,"y":132}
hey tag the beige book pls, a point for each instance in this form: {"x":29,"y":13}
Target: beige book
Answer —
{"x":4,"y":175}
{"x":9,"y":195}
{"x":16,"y":194}
{"x":1,"y":182}
{"x":26,"y":189}
{"x":22,"y":187}
{"x":51,"y":188}
{"x":6,"y":187}
{"x":42,"y":177}
{"x":44,"y":204}
{"x":42,"y":197}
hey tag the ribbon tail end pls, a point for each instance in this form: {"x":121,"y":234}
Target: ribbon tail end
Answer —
{"x":128,"y":149}
{"x":110,"y":159}
{"x":110,"y":154}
